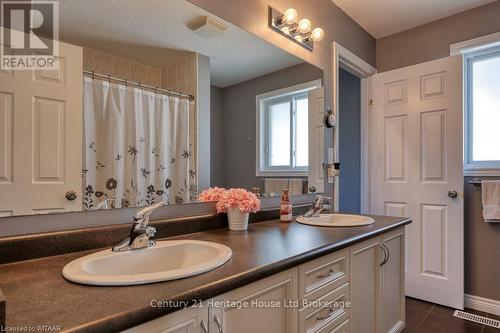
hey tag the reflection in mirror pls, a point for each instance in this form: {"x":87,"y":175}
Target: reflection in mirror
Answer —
{"x":156,"y":107}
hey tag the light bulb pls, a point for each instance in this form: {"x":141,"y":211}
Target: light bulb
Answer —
{"x":304,"y":26}
{"x":290,"y":16}
{"x":317,"y":34}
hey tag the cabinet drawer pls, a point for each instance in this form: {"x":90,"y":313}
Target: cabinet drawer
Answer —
{"x":321,"y":275}
{"x":326,"y":313}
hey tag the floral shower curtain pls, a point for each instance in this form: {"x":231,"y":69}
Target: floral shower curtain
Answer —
{"x":136,"y":146}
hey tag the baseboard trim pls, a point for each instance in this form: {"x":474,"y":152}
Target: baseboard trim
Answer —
{"x":482,"y":304}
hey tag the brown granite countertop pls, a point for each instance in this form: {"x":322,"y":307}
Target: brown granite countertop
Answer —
{"x":37,"y":294}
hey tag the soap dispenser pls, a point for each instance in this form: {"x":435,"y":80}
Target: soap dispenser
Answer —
{"x":285,"y":207}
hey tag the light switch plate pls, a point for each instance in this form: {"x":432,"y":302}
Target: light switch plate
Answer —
{"x":330,"y":155}
{"x":330,"y":173}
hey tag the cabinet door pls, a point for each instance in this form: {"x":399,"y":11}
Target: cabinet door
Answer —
{"x":262,"y":307}
{"x":392,"y":285}
{"x":365,"y":260}
{"x":189,"y":320}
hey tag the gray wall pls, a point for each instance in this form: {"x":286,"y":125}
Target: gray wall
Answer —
{"x":203,"y":120}
{"x":349,"y":142}
{"x":482,"y":247}
{"x":432,"y":41}
{"x":429,"y":42}
{"x":236,"y":136}
{"x":252,"y":16}
{"x":216,"y":140}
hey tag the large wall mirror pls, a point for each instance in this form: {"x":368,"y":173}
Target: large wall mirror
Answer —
{"x":156,"y":104}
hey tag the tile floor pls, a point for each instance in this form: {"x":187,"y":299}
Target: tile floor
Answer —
{"x":424,"y":317}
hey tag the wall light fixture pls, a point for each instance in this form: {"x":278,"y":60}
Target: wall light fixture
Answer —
{"x":300,"y":32}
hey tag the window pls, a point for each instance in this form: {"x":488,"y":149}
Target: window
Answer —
{"x":482,"y":118}
{"x":282,"y":131}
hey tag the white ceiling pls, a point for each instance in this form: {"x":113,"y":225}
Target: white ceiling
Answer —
{"x":386,"y":17}
{"x":155,"y":32}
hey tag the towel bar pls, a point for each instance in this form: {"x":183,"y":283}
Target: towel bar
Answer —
{"x":475,"y":181}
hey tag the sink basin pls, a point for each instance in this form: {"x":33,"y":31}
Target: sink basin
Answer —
{"x":336,"y":220}
{"x":168,"y":260}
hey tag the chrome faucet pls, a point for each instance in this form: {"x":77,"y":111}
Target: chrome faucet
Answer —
{"x":318,"y":206}
{"x":141,"y":235}
{"x":105,"y":204}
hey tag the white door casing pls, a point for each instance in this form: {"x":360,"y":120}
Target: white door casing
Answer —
{"x":41,"y":137}
{"x":345,"y":59}
{"x":415,"y":159}
{"x":316,"y":107}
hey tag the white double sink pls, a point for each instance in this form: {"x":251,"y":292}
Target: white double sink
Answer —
{"x":171,"y":260}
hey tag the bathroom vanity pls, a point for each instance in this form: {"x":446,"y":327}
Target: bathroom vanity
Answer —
{"x":282,"y":277}
{"x":351,"y":290}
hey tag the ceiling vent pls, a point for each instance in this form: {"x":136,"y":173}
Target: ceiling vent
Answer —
{"x":207,"y":27}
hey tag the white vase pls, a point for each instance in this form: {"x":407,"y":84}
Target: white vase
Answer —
{"x":238,"y":220}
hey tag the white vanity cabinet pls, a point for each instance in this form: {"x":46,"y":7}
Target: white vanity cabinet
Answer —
{"x":392,"y":289}
{"x":368,"y":277}
{"x":265,"y":307}
{"x":189,"y":320}
{"x":377,"y":284}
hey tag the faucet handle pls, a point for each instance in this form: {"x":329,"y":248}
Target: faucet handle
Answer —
{"x":147,"y":211}
{"x":320,"y":199}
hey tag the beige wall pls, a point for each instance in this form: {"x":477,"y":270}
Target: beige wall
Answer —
{"x":482,"y":248}
{"x":432,"y":41}
{"x":122,"y":68}
{"x":181,"y":76}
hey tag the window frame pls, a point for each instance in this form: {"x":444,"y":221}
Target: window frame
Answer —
{"x":262,"y":167}
{"x":471,"y":167}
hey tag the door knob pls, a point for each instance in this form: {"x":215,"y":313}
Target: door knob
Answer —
{"x":452,"y":194}
{"x":71,"y":195}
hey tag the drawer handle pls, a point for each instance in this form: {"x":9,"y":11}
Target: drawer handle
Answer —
{"x":219,"y":324}
{"x":204,"y":326}
{"x":327,"y":274}
{"x":386,"y":254}
{"x":326,"y":316}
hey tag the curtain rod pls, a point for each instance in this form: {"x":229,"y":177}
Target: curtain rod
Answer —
{"x":138,"y":84}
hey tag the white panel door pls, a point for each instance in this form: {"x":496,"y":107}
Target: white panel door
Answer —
{"x":41,"y":137}
{"x":316,"y":139}
{"x":416,"y":159}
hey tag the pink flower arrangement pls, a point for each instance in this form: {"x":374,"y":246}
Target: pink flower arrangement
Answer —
{"x":212,"y":194}
{"x":240,"y":198}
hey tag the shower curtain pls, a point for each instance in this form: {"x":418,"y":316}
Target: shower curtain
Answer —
{"x":136,"y":146}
